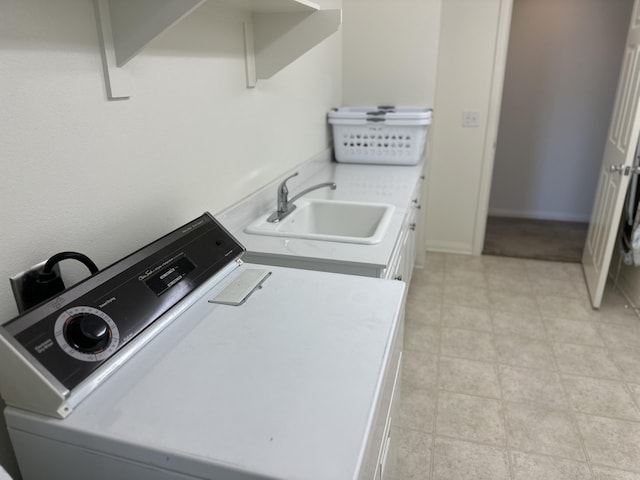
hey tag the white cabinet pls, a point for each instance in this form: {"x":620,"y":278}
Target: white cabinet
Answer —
{"x":380,"y":456}
{"x":279,"y":32}
{"x":404,"y":252}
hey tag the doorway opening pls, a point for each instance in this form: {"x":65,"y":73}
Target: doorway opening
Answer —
{"x":560,"y":81}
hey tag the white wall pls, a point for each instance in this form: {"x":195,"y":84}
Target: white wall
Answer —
{"x":390,"y":54}
{"x":562,"y":71}
{"x":104,"y":178}
{"x":390,"y":50}
{"x":468,"y":35}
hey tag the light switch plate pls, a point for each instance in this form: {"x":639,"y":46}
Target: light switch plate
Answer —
{"x":470,"y":118}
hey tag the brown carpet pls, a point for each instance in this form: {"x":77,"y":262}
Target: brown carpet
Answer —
{"x":537,"y":239}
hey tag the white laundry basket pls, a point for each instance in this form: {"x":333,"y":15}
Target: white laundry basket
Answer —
{"x":382,"y":135}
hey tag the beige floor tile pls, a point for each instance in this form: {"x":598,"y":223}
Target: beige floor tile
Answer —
{"x":493,"y":263}
{"x":458,"y":460}
{"x":521,"y":324}
{"x":604,"y":473}
{"x":466,"y":296}
{"x":473,"y":345}
{"x":427,"y":276}
{"x":457,"y":316}
{"x":421,"y":336}
{"x":573,"y":331}
{"x":417,"y":408}
{"x":470,"y":418}
{"x":465,"y":262}
{"x":524,"y":352}
{"x":431,"y":297}
{"x":508,"y":281}
{"x":585,"y":360}
{"x":528,"y":466}
{"x":540,"y":429}
{"x":581,"y":287}
{"x":574,"y":270}
{"x":466,"y":313}
{"x":419,"y":369}
{"x":553,"y":286}
{"x":532,"y":386}
{"x":635,"y":393}
{"x":553,"y":270}
{"x":424,"y":312}
{"x":512,"y":302}
{"x":628,"y":361}
{"x":469,"y":376}
{"x":434,"y":261}
{"x":422,"y":277}
{"x":620,"y":336}
{"x":563,"y":307}
{"x":465,"y":278}
{"x":431,"y":293}
{"x":413,"y":454}
{"x":600,"y":397}
{"x":612,"y":443}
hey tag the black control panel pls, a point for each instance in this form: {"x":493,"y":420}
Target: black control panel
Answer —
{"x":72,"y":335}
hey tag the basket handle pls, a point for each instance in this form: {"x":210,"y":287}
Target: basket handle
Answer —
{"x":376,"y":116}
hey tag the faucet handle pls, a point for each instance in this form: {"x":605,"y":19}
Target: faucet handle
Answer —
{"x":283,"y":194}
{"x":283,"y":185}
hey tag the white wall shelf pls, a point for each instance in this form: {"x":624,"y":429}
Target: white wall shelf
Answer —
{"x":280,"y":31}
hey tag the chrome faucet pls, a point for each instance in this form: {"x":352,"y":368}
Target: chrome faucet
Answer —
{"x":286,"y":205}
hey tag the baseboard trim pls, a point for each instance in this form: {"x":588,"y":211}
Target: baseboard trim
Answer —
{"x":537,"y":215}
{"x":459,"y":248}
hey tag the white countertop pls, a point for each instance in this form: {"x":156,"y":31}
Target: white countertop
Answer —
{"x":355,"y":182}
{"x":287,"y":394}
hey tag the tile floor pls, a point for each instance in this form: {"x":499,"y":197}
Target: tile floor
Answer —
{"x":509,"y":374}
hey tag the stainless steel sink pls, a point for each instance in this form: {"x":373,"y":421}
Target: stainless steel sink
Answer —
{"x":330,"y":220}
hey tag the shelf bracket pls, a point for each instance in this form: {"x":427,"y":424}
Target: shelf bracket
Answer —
{"x":249,"y":55}
{"x":125,"y":27}
{"x":116,"y":79}
{"x":277,"y":39}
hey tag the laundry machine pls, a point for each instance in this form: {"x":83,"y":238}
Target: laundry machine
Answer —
{"x":181,"y":361}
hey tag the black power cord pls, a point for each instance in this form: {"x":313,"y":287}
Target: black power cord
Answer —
{"x":47,"y":282}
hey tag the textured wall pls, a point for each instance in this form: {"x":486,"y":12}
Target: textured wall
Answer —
{"x":390,"y":51}
{"x":104,"y":178}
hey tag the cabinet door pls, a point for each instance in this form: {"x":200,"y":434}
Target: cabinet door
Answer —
{"x":410,"y":247}
{"x":387,"y":461}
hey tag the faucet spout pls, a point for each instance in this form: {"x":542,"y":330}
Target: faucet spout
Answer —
{"x":286,"y":205}
{"x":331,"y":185}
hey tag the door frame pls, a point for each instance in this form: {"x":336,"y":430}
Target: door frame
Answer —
{"x":493,"y":123}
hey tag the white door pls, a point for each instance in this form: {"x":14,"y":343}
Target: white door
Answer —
{"x":615,"y":170}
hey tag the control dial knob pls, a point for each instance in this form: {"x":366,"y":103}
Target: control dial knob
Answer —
{"x":87,"y":333}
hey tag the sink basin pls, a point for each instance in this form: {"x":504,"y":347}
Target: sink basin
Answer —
{"x":330,"y":220}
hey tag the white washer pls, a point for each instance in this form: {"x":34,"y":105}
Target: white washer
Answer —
{"x":293,"y":383}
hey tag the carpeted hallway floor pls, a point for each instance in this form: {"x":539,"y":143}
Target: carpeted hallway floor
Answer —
{"x":535,"y":239}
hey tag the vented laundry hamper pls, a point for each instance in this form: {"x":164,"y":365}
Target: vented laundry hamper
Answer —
{"x":380,"y":135}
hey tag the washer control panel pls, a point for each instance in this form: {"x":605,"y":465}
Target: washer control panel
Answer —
{"x":73,"y":334}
